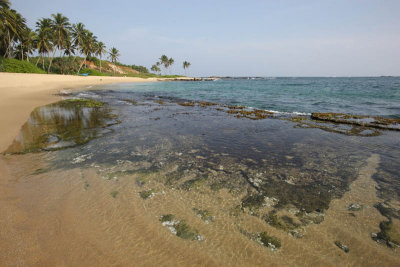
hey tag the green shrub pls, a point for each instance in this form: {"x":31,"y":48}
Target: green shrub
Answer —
{"x":18,"y":66}
{"x":93,"y":72}
{"x":141,"y":69}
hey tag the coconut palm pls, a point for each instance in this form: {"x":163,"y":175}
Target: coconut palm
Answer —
{"x":78,"y":34}
{"x":100,"y":50}
{"x":69,"y":48}
{"x":164,"y":61}
{"x":61,"y":27}
{"x":5,"y":4}
{"x":44,"y":38}
{"x":155,"y":68}
{"x":186,"y":65}
{"x":88,"y":46}
{"x":27,"y":43}
{"x":12,"y":25}
{"x":171,"y":61}
{"x":114,"y":55}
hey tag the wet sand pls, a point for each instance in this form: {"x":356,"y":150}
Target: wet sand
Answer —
{"x":69,"y":218}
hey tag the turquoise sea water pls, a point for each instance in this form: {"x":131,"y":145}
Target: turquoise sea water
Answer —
{"x":363,"y":96}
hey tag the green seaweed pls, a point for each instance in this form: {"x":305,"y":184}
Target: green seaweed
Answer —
{"x":167,"y":218}
{"x":389,"y":233}
{"x":369,"y":121}
{"x":80,"y":102}
{"x":194,"y":183}
{"x":206,"y":104}
{"x":187,"y":104}
{"x":205,"y":215}
{"x":255,"y":114}
{"x":174,"y":176}
{"x":270,"y":241}
{"x":133,"y":102}
{"x":114,"y":194}
{"x":185,"y":231}
{"x":307,"y":218}
{"x":253,"y":201}
{"x":284,"y":223}
{"x":146,"y":194}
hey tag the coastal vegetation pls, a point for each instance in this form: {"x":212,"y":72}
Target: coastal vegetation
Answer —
{"x":56,"y":45}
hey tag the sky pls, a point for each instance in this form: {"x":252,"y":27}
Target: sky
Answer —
{"x":242,"y":38}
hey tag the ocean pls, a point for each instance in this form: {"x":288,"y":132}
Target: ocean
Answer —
{"x":375,"y":96}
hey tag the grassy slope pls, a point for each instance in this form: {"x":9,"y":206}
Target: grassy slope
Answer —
{"x":18,"y":66}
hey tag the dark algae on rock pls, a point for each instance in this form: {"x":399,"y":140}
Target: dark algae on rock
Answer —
{"x":369,"y":121}
{"x":342,"y":246}
{"x":180,"y":228}
{"x":269,"y":241}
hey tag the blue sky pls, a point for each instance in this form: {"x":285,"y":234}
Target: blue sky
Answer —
{"x":243,"y":38}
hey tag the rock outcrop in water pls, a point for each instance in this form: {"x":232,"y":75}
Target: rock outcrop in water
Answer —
{"x":366,"y":121}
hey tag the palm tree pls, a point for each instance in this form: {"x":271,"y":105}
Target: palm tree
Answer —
{"x":44,"y":38}
{"x":5,"y":4}
{"x":114,"y":55}
{"x":170,"y":62}
{"x":12,"y":25}
{"x":61,"y":27}
{"x":164,"y":61}
{"x":100,"y":50}
{"x":69,"y":48}
{"x":88,"y":46}
{"x":27,"y":43}
{"x":186,"y":65}
{"x":78,"y":34}
{"x":155,"y":67}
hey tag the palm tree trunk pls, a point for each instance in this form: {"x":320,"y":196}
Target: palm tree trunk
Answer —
{"x":51,"y":61}
{"x":22,"y":52}
{"x":100,"y":63}
{"x":37,"y":60}
{"x":81,"y":65}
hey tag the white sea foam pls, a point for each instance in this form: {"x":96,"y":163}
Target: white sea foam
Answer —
{"x":285,"y":113}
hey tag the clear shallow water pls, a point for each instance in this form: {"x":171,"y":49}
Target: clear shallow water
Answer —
{"x":362,"y":96}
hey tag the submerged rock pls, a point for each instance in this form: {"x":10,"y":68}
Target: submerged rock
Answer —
{"x":354,"y":207}
{"x":389,"y":234}
{"x":180,"y":228}
{"x":368,"y":121}
{"x":342,"y":246}
{"x":269,"y":241}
